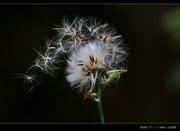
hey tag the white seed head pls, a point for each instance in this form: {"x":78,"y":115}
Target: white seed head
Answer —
{"x":91,"y":50}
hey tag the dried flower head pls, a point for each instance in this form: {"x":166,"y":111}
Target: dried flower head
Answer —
{"x":93,"y":52}
{"x":102,"y":50}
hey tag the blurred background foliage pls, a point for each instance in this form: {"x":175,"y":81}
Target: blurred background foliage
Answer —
{"x":171,"y":26}
{"x":148,"y":92}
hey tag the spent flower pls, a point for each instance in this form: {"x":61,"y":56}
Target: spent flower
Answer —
{"x":94,"y":54}
{"x":88,"y":47}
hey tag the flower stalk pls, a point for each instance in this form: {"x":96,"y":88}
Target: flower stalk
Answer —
{"x":99,"y":102}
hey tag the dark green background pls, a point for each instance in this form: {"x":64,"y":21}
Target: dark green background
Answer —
{"x":148,"y":92}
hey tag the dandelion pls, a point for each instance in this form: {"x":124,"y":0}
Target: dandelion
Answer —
{"x":94,"y":54}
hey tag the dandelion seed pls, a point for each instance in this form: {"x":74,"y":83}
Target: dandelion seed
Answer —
{"x":90,"y":62}
{"x":110,"y":42}
{"x":86,"y":74}
{"x":78,"y":38}
{"x":84,"y":70}
{"x":104,"y":40}
{"x":97,"y":28}
{"x":79,"y":32}
{"x":72,"y":41}
{"x":79,"y":60}
{"x":29,"y":80}
{"x":80,"y":64}
{"x":105,"y":58}
{"x":100,"y":37}
{"x":88,"y":67}
{"x":90,"y":58}
{"x":95,"y":61}
{"x":59,"y":48}
{"x":52,"y":48}
{"x":65,"y":29}
{"x":47,"y":64}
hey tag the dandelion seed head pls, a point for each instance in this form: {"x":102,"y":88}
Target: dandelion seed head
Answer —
{"x":90,"y":48}
{"x":83,"y":60}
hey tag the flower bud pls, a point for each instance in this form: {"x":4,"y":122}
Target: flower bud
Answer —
{"x":94,"y":94}
{"x":113,"y":76}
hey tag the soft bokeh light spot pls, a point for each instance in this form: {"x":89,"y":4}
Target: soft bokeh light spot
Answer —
{"x":171,"y":25}
{"x":173,"y":81}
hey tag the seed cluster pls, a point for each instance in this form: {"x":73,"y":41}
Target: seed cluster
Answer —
{"x":85,"y":44}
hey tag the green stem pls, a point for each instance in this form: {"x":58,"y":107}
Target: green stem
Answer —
{"x":99,"y":102}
